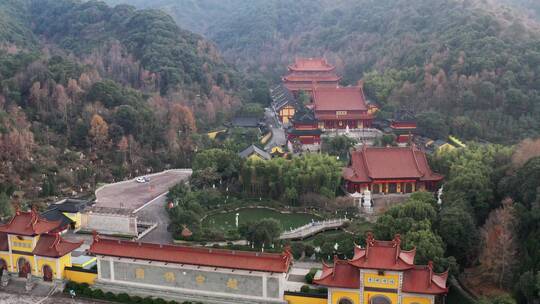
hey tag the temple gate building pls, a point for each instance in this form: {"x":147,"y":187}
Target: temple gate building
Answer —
{"x":389,"y":170}
{"x":341,"y":108}
{"x":305,"y":73}
{"x":305,"y":128}
{"x":32,"y":245}
{"x":190,"y":273}
{"x":381,"y":273}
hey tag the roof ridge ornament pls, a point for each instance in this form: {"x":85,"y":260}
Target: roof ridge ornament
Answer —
{"x":430,"y":268}
{"x":397,"y":244}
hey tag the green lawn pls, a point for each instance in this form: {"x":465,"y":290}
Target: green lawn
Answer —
{"x":226,"y":221}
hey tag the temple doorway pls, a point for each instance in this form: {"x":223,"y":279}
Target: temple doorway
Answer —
{"x":23,"y":267}
{"x":3,"y":266}
{"x":380,"y":300}
{"x":47,"y":273}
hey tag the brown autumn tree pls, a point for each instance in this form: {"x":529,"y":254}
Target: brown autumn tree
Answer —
{"x":123,"y":146}
{"x":499,"y":250}
{"x":62,"y":102}
{"x":526,"y":150}
{"x":99,"y":131}
{"x":73,"y":89}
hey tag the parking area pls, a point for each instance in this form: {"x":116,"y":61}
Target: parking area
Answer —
{"x":134,"y":195}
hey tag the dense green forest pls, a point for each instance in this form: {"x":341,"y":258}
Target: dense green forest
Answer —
{"x":92,"y":93}
{"x":473,"y":62}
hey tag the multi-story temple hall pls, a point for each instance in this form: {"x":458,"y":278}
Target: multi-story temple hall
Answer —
{"x":382,"y":273}
{"x":305,"y":73}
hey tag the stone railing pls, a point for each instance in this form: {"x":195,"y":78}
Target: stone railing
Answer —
{"x":312,"y":228}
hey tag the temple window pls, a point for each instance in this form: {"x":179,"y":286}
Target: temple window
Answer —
{"x":345,"y":301}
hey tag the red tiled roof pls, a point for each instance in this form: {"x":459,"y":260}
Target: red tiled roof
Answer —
{"x":389,"y":163}
{"x":422,"y":279}
{"x":341,"y":275}
{"x":54,"y":246}
{"x":339,"y":99}
{"x":312,"y":77}
{"x":266,"y":262}
{"x":292,"y":86}
{"x":29,"y":224}
{"x":4,"y":245}
{"x":363,"y":116}
{"x":386,"y":255}
{"x":311,"y":64}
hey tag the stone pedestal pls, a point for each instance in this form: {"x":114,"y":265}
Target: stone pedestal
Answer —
{"x":29,"y":283}
{"x":4,"y":280}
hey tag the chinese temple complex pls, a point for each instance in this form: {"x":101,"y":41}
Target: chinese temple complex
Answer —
{"x":341,"y":107}
{"x":389,"y":170}
{"x":32,"y":246}
{"x":305,"y":73}
{"x":381,"y":273}
{"x":195,"y":274}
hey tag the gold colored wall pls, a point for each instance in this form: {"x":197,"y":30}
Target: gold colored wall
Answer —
{"x":416,"y":300}
{"x":297,"y":299}
{"x":390,"y":281}
{"x":87,"y":277}
{"x":370,"y":294}
{"x":354,"y":296}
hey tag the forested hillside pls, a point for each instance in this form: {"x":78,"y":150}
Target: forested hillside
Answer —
{"x":91,"y":93}
{"x":475,"y":68}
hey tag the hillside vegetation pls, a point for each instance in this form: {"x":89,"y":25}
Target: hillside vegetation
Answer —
{"x":475,"y":69}
{"x":91,"y":93}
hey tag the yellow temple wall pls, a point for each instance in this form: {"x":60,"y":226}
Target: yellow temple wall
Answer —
{"x":26,"y":244}
{"x":29,"y":258}
{"x":5,"y":257}
{"x":85,"y":277}
{"x":370,"y":294}
{"x":352,"y":295}
{"x":304,"y":299}
{"x":417,"y":300}
{"x":375,"y":280}
{"x":46,"y":261}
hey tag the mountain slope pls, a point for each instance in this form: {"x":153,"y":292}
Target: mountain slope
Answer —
{"x":476,"y":68}
{"x":91,"y":93}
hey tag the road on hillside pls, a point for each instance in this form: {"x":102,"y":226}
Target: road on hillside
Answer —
{"x":156,"y":212}
{"x":133,"y":195}
{"x":278,"y":134}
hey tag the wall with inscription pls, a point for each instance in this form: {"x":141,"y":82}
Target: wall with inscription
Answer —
{"x":194,"y":279}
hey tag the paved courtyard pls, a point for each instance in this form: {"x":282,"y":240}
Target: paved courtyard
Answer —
{"x":9,"y":298}
{"x":133,"y":195}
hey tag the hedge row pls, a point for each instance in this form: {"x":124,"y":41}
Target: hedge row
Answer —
{"x":84,"y":290}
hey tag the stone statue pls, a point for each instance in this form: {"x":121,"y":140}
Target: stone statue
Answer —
{"x":367,"y":198}
{"x":439,"y":195}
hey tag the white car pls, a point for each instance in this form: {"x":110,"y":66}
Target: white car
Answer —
{"x":142,"y":179}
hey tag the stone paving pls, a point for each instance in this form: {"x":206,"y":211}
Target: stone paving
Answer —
{"x":9,"y":298}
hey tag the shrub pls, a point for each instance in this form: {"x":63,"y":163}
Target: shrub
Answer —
{"x":86,"y":291}
{"x":124,"y":298}
{"x":110,"y":296}
{"x":310,"y":275}
{"x":136,"y":299}
{"x":305,"y":289}
{"x":159,"y":301}
{"x":98,"y":294}
{"x":148,"y":300}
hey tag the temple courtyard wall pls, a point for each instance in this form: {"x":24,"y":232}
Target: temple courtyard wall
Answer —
{"x":188,"y":282}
